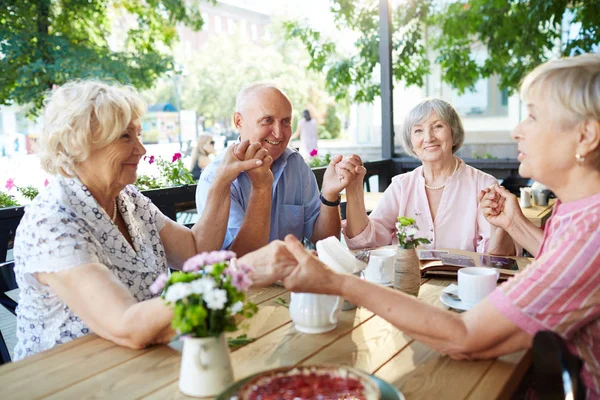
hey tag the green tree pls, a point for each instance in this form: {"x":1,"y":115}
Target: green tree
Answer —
{"x":333,"y":123}
{"x":224,"y":65}
{"x":48,"y":42}
{"x":514,"y":35}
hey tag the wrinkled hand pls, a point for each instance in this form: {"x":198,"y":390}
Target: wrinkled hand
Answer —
{"x":499,"y":206}
{"x":232,"y":165}
{"x":351,"y":168}
{"x":309,"y":275}
{"x":270,"y":263}
{"x":261,"y":177}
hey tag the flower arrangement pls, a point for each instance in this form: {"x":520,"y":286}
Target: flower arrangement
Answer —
{"x":406,"y":229}
{"x":318,"y":161}
{"x":172,"y":173}
{"x":208,"y":294}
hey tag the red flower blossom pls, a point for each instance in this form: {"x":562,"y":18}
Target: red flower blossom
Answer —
{"x":10,"y":184}
{"x":313,"y":152}
{"x":151,"y":160}
{"x":176,"y":157}
{"x":46,"y":182}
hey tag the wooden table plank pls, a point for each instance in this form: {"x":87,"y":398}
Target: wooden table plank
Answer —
{"x":539,"y":214}
{"x":503,"y":378}
{"x":63,"y":367}
{"x":130,"y":379}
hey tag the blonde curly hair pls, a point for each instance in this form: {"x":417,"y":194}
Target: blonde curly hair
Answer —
{"x":82,"y":116}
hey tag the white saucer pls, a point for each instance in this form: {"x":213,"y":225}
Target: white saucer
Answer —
{"x":450,"y":298}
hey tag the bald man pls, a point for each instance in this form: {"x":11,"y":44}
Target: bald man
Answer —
{"x":281,"y":196}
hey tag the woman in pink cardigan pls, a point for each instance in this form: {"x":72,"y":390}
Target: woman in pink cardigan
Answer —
{"x":441,"y":195}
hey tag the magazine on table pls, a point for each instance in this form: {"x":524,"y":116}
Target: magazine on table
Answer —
{"x":444,"y":262}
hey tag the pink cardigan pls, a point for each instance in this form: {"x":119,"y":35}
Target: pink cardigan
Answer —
{"x":459,"y":223}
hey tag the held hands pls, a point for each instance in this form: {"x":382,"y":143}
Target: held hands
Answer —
{"x":342,"y":173}
{"x":232,"y":164}
{"x":270,"y":263}
{"x":499,"y":206}
{"x":261,"y":177}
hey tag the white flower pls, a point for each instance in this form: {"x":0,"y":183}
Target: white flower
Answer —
{"x":236,"y":307}
{"x":215,"y":299}
{"x":411,"y":232}
{"x":203,"y":285}
{"x":209,"y":269}
{"x":178,"y":291}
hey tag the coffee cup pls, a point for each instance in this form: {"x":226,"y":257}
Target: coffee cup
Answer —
{"x":380,"y":268}
{"x":315,"y":313}
{"x":475,"y":283}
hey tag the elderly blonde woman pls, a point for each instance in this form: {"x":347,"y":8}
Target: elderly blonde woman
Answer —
{"x":441,"y":195}
{"x":90,"y":245}
{"x":559,"y":146}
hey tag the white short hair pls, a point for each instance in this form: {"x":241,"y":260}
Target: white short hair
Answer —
{"x":81,"y":116}
{"x":245,"y":93}
{"x":421,"y":112}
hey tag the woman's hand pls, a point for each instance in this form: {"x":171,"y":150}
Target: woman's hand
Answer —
{"x":241,"y":157}
{"x":499,"y":206}
{"x":270,"y":263}
{"x":309,"y":274}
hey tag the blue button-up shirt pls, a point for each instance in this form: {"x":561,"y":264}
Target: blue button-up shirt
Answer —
{"x":295,"y":206}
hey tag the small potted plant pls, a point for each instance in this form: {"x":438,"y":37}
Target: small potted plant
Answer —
{"x":407,"y":274}
{"x":208,"y":298}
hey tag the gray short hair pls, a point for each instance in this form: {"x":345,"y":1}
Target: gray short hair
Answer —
{"x":421,"y":112}
{"x":81,"y":116}
{"x":246,"y":91}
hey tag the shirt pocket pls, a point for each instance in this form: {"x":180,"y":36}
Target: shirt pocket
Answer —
{"x":292,"y":221}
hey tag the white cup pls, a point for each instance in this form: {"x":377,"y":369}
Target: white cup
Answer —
{"x":381,"y":266}
{"x":475,"y":283}
{"x":315,"y":313}
{"x":525,"y":198}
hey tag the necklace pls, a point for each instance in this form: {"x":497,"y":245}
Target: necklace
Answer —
{"x":114,"y":216}
{"x":444,"y":184}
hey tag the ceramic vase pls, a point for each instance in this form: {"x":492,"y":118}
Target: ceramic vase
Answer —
{"x":205,"y":367}
{"x":407,"y":274}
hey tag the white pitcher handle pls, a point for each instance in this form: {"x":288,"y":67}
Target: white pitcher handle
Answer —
{"x":332,"y":316}
{"x":203,"y":360}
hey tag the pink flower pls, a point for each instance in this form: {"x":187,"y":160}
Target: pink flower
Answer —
{"x":10,"y":184}
{"x":151,"y":160}
{"x":241,"y":281}
{"x":313,"y":152}
{"x":176,"y":157}
{"x":159,"y":284}
{"x":198,"y":261}
{"x":46,"y":182}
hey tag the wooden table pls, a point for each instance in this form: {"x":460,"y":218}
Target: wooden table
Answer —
{"x":539,"y":214}
{"x":94,"y":367}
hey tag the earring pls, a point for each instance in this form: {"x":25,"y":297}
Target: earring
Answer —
{"x":579,"y":158}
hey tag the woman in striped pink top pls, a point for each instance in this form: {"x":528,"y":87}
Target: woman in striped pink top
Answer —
{"x":559,"y":146}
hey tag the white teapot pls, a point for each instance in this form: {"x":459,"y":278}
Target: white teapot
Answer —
{"x":315,"y":313}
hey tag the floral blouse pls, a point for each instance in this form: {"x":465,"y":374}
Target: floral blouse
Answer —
{"x":64,"y":227}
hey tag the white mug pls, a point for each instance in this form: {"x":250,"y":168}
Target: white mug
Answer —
{"x":381,"y":266}
{"x":475,"y":283}
{"x":525,"y":198}
{"x":315,"y":313}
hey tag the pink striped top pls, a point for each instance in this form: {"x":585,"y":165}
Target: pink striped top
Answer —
{"x":560,"y":290}
{"x":459,"y":223}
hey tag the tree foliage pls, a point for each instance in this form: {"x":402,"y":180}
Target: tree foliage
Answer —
{"x":48,"y":42}
{"x":469,"y":40}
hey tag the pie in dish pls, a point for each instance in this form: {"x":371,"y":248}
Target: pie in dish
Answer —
{"x":310,"y":382}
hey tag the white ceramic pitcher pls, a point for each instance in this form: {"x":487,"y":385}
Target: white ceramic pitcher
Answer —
{"x":315,"y":313}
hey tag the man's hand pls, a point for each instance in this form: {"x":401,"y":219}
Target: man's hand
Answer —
{"x":232,"y":164}
{"x":335,"y":179}
{"x":271,"y":263}
{"x":352,"y":166}
{"x":500,"y":207}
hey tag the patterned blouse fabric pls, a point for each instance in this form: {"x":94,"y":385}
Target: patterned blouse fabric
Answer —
{"x":459,"y":223}
{"x":560,"y":290}
{"x":64,"y":227}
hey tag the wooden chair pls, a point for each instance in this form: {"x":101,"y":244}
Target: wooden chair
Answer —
{"x":7,"y":282}
{"x":556,"y":372}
